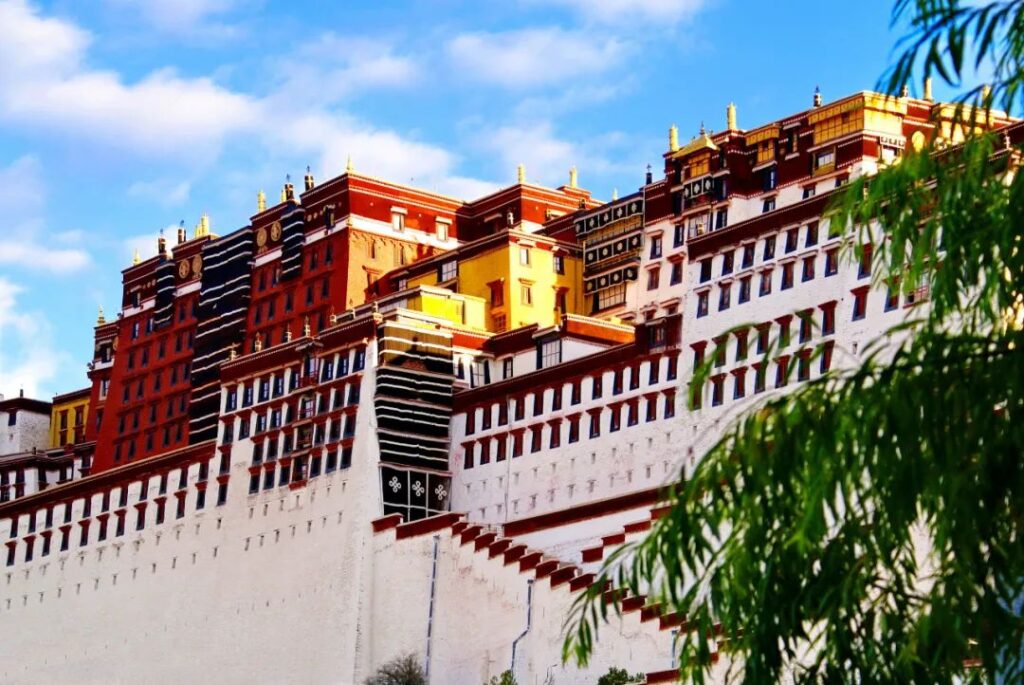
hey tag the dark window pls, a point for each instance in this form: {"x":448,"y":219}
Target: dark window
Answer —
{"x":727,"y":262}
{"x":769,"y":248}
{"x":792,"y":238}
{"x":702,"y":304}
{"x":705,"y":270}
{"x":808,"y":268}
{"x":724,"y":296}
{"x":831,"y":262}
{"x":812,"y":234}
{"x":787,"y":275}
{"x":744,"y":289}
{"x":860,"y":304}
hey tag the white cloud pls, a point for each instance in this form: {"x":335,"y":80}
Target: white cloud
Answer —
{"x":534,"y":57}
{"x":165,"y":192}
{"x":24,"y":242}
{"x":28,"y":359}
{"x":45,"y":83}
{"x":616,"y":11}
{"x":332,"y":67}
{"x":183,"y":17}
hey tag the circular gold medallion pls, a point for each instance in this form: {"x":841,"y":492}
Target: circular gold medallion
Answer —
{"x":261,"y":237}
{"x":197,"y":264}
{"x":275,"y":231}
{"x":917,"y":140}
{"x":183,"y":268}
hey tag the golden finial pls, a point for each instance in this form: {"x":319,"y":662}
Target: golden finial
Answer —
{"x":572,"y":177}
{"x":349,"y":166}
{"x":521,"y":174}
{"x":181,"y":232}
{"x":615,"y":194}
{"x":928,"y":88}
{"x":730,"y":117}
{"x":233,"y":351}
{"x":284,"y":197}
{"x":817,"y":96}
{"x":161,"y":244}
{"x":203,"y":227}
{"x":135,"y":257}
{"x":258,"y":344}
{"x":308,"y":181}
{"x":100,"y":319}
{"x":288,"y":334}
{"x":673,"y":138}
{"x":261,"y":201}
{"x":306,"y":331}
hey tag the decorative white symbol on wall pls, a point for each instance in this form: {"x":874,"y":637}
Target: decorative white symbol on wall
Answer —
{"x":394,"y":484}
{"x":418,"y":489}
{"x":440,"y":492}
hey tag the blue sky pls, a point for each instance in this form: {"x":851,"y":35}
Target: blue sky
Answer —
{"x":122,"y":117}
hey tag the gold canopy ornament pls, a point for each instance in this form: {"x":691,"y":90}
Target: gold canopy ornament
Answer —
{"x":100,"y":319}
{"x":673,"y":138}
{"x":572,"y":177}
{"x":349,"y":166}
{"x":135,"y":257}
{"x":730,"y":117}
{"x":261,"y":201}
{"x":203,"y":227}
{"x":306,"y":331}
{"x":521,"y":174}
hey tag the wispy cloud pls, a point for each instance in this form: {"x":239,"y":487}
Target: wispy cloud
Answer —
{"x":620,"y":11}
{"x":28,"y":357}
{"x":24,"y":243}
{"x":165,"y":192}
{"x":535,"y":56}
{"x":187,"y":18}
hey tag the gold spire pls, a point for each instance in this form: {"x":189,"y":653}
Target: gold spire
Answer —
{"x":349,"y":166}
{"x":615,"y":194}
{"x":730,"y":117}
{"x":100,"y":319}
{"x":673,"y":138}
{"x":288,"y":334}
{"x":284,"y":197}
{"x":261,"y":201}
{"x":203,"y":227}
{"x":258,"y":344}
{"x":521,"y":174}
{"x":305,"y":327}
{"x":308,"y":181}
{"x":135,"y":257}
{"x":572,"y":177}
{"x":928,"y":88}
{"x":233,"y":351}
{"x":817,"y":96}
{"x":161,"y":244}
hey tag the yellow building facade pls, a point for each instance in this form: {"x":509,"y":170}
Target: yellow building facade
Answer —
{"x":521,"y":278}
{"x":67,"y":418}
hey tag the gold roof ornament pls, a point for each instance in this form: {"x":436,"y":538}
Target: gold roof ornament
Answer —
{"x":233,"y":351}
{"x":701,"y":142}
{"x":521,"y":174}
{"x":288,"y":334}
{"x":100,"y":319}
{"x":284,"y":197}
{"x":258,"y":343}
{"x":181,"y":232}
{"x":261,"y":201}
{"x":161,"y":244}
{"x":615,"y":194}
{"x":730,"y":117}
{"x":928,"y":88}
{"x":673,"y":138}
{"x":349,"y":166}
{"x":308,"y":181}
{"x":905,"y":91}
{"x":203,"y":227}
{"x":135,"y":257}
{"x":306,"y":330}
{"x":817,"y":96}
{"x":572,"y":177}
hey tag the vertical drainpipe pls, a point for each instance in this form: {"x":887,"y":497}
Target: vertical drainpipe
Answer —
{"x":430,"y":611}
{"x":529,"y":617}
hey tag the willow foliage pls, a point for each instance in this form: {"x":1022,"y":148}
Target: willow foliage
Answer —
{"x":867,"y":527}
